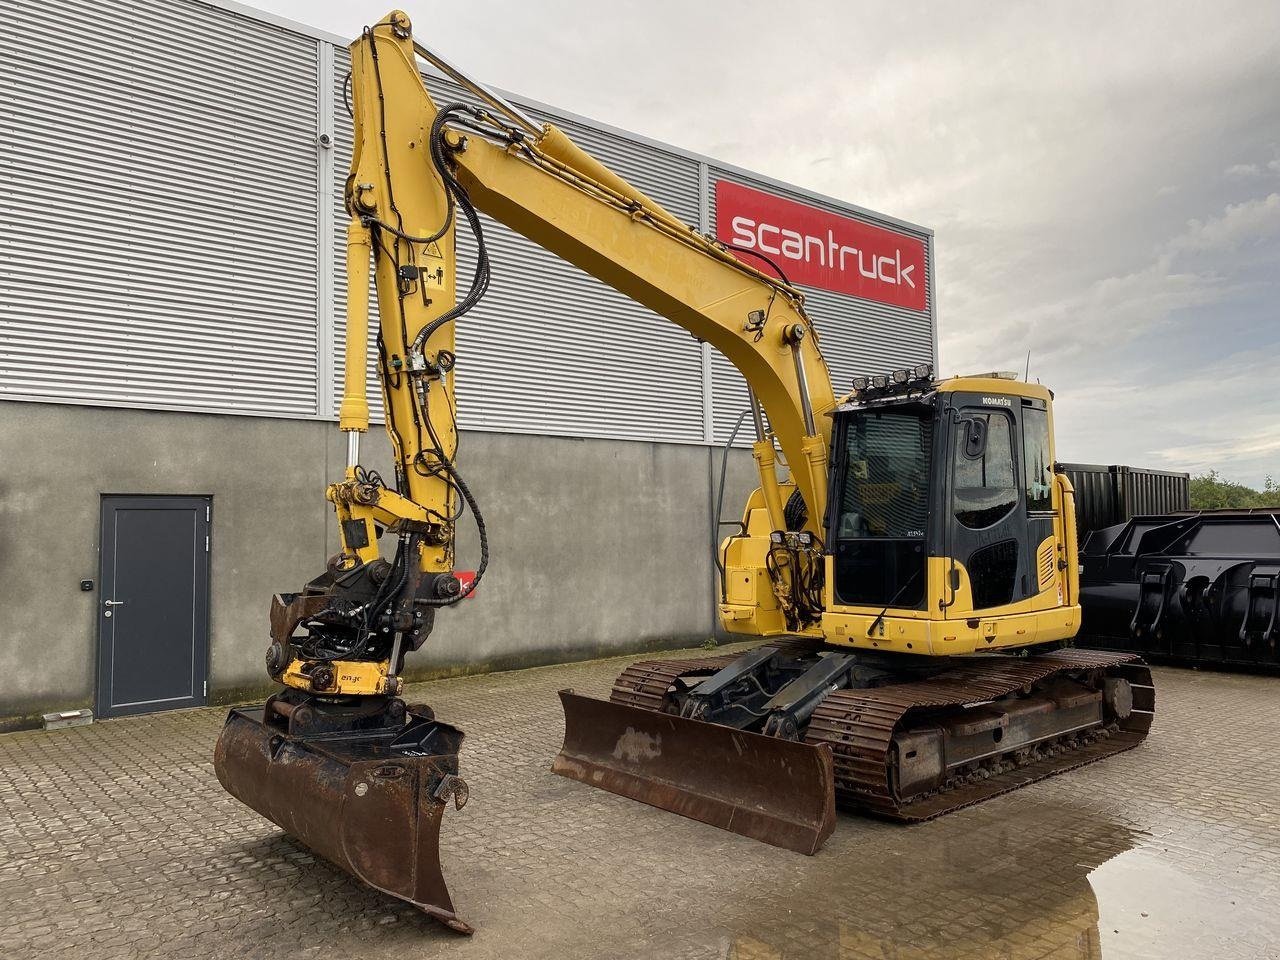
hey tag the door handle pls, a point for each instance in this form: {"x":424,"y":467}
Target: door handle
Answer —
{"x":113,"y":603}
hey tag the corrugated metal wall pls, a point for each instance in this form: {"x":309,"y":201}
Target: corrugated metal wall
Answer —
{"x":157,"y":226}
{"x":170,"y":256}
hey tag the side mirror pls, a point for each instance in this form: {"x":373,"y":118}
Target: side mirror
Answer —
{"x":975,"y":438}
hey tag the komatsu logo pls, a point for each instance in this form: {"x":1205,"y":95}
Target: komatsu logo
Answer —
{"x":817,"y":248}
{"x":997,"y":402}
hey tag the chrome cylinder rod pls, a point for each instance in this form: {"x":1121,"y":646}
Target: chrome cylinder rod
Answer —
{"x":806,"y":406}
{"x":757,"y":416}
{"x":501,"y":104}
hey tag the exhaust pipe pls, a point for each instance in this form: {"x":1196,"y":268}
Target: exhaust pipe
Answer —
{"x":778,"y":791}
{"x":370,"y":801}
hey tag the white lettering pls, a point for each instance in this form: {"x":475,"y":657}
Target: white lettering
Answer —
{"x":822,"y":249}
{"x":871,"y":275}
{"x":744,"y":232}
{"x":825,"y":251}
{"x":792,"y":245}
{"x":904,"y":275}
{"x":761,"y":231}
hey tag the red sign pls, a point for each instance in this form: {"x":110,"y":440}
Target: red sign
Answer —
{"x":466,"y":580}
{"x":821,"y":249}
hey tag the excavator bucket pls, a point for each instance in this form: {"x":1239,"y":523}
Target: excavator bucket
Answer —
{"x":371,"y":802}
{"x":779,"y":791}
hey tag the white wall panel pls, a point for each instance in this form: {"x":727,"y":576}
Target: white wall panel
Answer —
{"x":157,"y":208}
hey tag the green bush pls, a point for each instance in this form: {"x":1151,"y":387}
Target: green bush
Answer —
{"x":1210,"y":492}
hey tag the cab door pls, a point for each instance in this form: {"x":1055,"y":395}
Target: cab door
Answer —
{"x":986,"y":522}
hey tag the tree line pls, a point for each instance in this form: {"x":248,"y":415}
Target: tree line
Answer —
{"x":1209,"y":491}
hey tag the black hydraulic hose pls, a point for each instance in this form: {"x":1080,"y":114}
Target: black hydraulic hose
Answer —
{"x":481,"y":532}
{"x":760,"y":256}
{"x":458,"y":193}
{"x":715,"y":526}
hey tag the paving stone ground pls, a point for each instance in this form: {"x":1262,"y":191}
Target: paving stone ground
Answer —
{"x":116,"y":841}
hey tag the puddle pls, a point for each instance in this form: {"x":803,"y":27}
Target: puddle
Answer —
{"x":1148,"y":907}
{"x":1056,"y":882}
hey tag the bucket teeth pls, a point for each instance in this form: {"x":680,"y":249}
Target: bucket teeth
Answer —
{"x":779,"y":791}
{"x":371,"y":802}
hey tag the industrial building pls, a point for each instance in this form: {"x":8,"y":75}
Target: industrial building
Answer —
{"x":171,"y":332}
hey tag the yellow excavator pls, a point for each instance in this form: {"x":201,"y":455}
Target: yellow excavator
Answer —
{"x":913,"y":572}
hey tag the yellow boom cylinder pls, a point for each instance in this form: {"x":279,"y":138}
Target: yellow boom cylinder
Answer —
{"x":556,"y":145}
{"x":354,"y":412}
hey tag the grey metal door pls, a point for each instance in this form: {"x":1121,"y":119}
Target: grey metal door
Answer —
{"x":153,"y":611}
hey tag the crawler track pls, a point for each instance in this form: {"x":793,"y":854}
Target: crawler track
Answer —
{"x":859,"y":726}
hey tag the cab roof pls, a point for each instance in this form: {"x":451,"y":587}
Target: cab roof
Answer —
{"x":1000,"y":386}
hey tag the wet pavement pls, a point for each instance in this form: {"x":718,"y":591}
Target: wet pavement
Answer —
{"x":117,"y":841}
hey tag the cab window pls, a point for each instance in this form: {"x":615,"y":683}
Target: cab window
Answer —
{"x":1037,"y":468}
{"x":985,"y":484}
{"x":883,"y":508}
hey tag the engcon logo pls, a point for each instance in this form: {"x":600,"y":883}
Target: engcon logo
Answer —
{"x":821,"y":249}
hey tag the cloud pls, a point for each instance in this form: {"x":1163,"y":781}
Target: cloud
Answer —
{"x":1238,"y":224}
{"x":1101,"y":176}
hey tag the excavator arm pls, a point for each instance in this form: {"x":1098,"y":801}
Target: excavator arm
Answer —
{"x":417,"y":171}
{"x":335,"y":757}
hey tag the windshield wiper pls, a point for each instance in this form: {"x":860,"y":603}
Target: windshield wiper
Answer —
{"x":892,"y":600}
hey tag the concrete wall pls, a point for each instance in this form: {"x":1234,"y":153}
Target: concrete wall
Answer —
{"x":599,"y":546}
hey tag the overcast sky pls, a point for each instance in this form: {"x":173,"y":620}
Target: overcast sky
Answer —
{"x":1103,"y":178}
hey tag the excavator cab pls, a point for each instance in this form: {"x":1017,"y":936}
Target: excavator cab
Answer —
{"x":945,"y":507}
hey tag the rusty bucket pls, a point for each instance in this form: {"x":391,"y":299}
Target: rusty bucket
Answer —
{"x":779,"y":791}
{"x":369,"y":801}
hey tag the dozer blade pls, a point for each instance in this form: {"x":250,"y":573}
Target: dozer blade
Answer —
{"x":370,"y":802}
{"x":778,"y":791}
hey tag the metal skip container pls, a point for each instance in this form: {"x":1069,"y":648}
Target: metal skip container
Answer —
{"x":1109,"y":495}
{"x":771,"y":789}
{"x":371,"y":802}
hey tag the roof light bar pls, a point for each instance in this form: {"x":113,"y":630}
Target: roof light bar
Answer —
{"x":900,"y":381}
